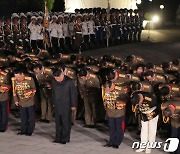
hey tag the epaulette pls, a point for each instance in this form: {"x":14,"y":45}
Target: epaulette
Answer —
{"x":160,"y":77}
{"x":118,"y":88}
{"x":28,"y":78}
{"x":122,"y":75}
{"x":175,"y":88}
{"x":47,"y":70}
{"x":92,"y":75}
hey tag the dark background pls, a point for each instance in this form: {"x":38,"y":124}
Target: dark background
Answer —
{"x":7,"y":7}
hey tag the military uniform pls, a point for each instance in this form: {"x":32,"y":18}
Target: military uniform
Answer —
{"x":4,"y":96}
{"x":60,"y":34}
{"x":23,"y":93}
{"x":54,"y":34}
{"x":114,"y":103}
{"x":88,"y":90}
{"x":149,"y":117}
{"x":33,"y":34}
{"x":175,"y":120}
{"x":44,"y":84}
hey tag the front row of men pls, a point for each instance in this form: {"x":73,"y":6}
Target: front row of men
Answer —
{"x":64,"y":97}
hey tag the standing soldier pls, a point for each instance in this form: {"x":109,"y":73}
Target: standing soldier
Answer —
{"x":8,"y":30}
{"x":85,"y":32}
{"x":66,"y":32}
{"x":91,"y":26}
{"x":98,"y":29}
{"x":71,"y":28}
{"x":89,"y":86}
{"x":15,"y":27}
{"x":114,"y":98}
{"x":44,"y":85}
{"x":78,"y":34}
{"x":23,"y":94}
{"x":60,"y":33}
{"x":53,"y":27}
{"x":4,"y":88}
{"x":1,"y":30}
{"x":24,"y":31}
{"x":33,"y":32}
{"x":40,"y":32}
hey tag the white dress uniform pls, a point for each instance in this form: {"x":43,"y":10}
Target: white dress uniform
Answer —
{"x":33,"y":31}
{"x":71,"y":28}
{"x":66,"y":29}
{"x":85,"y":28}
{"x":60,"y":30}
{"x":91,"y":25}
{"x":40,"y":32}
{"x":53,"y":27}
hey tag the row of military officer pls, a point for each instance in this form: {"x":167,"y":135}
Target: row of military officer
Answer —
{"x":148,"y":85}
{"x":72,"y":31}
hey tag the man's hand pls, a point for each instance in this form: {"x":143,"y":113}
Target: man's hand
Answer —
{"x":17,"y":103}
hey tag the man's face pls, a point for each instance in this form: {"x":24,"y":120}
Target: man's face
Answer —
{"x":149,"y":78}
{"x":19,"y":77}
{"x":34,"y":21}
{"x":59,"y":78}
{"x":139,"y":70}
{"x":54,"y":20}
{"x":37,"y":71}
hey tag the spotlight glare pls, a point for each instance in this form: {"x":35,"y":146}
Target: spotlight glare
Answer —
{"x":138,"y":1}
{"x":155,"y":18}
{"x":161,"y":7}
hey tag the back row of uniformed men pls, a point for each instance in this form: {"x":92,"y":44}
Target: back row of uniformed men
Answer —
{"x":70,"y":32}
{"x":128,"y":76}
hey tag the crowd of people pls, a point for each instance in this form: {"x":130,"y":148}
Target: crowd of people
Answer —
{"x":123,"y":91}
{"x":72,"y":32}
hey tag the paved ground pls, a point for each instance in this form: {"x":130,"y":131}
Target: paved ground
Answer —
{"x":163,"y":45}
{"x":83,"y":140}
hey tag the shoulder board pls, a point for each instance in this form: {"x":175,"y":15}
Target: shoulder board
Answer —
{"x":118,"y":88}
{"x":135,"y":78}
{"x":148,"y":98}
{"x":159,"y":77}
{"x":92,"y":75}
{"x":122,"y":75}
{"x":48,"y":69}
{"x":175,"y":89}
{"x":28,"y":78}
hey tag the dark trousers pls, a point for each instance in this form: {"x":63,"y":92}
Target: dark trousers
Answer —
{"x":3,"y":115}
{"x":54,"y":41}
{"x":63,"y":126}
{"x":34,"y":44}
{"x":27,"y":119}
{"x":175,"y":133}
{"x":40,"y":44}
{"x":116,"y":128}
{"x":61,"y":45}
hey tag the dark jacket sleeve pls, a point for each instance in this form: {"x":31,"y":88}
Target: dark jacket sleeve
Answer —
{"x":73,"y":94}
